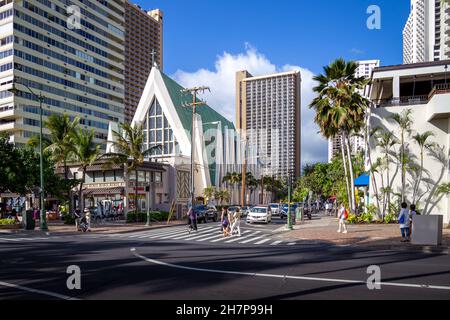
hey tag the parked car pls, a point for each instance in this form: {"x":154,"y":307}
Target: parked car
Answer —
{"x":260,"y":214}
{"x":245,"y":211}
{"x":285,"y":208}
{"x":233,"y":209}
{"x":206,"y":213}
{"x":275,"y":208}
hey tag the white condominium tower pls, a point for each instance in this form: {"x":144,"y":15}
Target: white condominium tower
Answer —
{"x":426,"y":36}
{"x":357,"y":143}
{"x":78,"y":65}
{"x":268,"y":114}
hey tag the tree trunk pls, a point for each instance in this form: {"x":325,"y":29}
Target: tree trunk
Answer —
{"x":352,"y":175}
{"x":388,"y":183}
{"x":136,"y":191}
{"x":126,"y":177}
{"x":402,"y":159}
{"x":416,"y":187}
{"x":80,"y":192}
{"x":344,"y":162}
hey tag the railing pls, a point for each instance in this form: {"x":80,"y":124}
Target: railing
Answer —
{"x":441,"y":88}
{"x":402,"y":101}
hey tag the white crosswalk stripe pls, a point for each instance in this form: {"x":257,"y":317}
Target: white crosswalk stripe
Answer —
{"x":206,"y":234}
{"x":241,"y":238}
{"x":263,"y":241}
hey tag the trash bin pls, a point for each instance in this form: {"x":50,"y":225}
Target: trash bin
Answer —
{"x":28,"y":221}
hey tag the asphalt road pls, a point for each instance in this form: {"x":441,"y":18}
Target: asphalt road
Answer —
{"x":118,"y":267}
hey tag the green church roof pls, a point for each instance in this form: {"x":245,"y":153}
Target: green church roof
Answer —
{"x":180,"y":99}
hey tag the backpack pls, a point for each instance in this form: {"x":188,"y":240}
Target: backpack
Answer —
{"x":401,"y":219}
{"x":345,"y":215}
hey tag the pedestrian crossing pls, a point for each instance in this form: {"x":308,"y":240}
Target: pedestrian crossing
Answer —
{"x":206,"y":234}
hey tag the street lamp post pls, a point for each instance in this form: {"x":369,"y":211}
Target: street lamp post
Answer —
{"x":289,"y":217}
{"x":41,"y":98}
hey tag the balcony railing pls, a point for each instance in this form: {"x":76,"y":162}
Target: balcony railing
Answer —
{"x":402,"y":101}
{"x":440,"y":89}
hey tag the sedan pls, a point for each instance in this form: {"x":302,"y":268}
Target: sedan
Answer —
{"x":260,"y":214}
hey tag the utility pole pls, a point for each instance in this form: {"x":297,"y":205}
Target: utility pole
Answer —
{"x":194,"y":92}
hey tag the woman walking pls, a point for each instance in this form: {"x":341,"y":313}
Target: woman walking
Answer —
{"x":343,"y":216}
{"x":225,"y":222}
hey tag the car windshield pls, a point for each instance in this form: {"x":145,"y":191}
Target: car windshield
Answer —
{"x":274,"y":206}
{"x":259,"y":210}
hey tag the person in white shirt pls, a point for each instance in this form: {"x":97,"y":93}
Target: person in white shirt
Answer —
{"x":404,"y":222}
{"x":343,"y":216}
{"x":236,"y":224}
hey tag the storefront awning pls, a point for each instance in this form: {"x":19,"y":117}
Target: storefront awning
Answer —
{"x":362,"y":180}
{"x":104,"y":191}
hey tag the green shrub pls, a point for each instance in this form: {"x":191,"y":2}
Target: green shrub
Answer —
{"x":390,"y":218}
{"x":134,"y":217}
{"x":7,"y":222}
{"x":352,"y":219}
{"x":68,"y":219}
{"x":366,"y":218}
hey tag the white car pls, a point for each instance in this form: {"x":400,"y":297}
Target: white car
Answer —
{"x":260,"y":214}
{"x":275,"y":208}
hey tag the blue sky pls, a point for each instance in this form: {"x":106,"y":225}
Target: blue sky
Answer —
{"x":206,"y":41}
{"x":301,"y":32}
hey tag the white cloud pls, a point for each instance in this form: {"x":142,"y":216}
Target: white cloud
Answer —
{"x":222,"y":96}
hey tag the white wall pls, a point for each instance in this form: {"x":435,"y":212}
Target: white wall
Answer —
{"x":439,"y":127}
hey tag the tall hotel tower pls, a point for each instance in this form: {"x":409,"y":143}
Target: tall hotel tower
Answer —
{"x":426,"y":36}
{"x":143,"y":46}
{"x":70,"y":51}
{"x":268,"y":115}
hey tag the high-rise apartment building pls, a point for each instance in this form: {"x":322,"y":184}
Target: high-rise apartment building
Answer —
{"x":427,"y":32}
{"x":77,"y":64}
{"x":357,"y":143}
{"x":268,"y":115}
{"x":143,"y":46}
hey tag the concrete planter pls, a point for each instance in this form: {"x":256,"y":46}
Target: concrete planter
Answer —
{"x":427,"y":230}
{"x":10,"y":227}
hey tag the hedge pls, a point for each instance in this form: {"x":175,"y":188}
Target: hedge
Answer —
{"x":4,"y":222}
{"x":142,"y":216}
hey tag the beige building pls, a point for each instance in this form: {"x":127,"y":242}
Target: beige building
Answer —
{"x":143,"y":46}
{"x":268,"y":115}
{"x":423,"y":88}
{"x":77,"y":64}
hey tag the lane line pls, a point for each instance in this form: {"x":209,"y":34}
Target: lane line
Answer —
{"x":221,"y":236}
{"x":276,"y":243}
{"x":47,"y":293}
{"x":267,"y":275}
{"x":209,"y":233}
{"x":189,"y":235}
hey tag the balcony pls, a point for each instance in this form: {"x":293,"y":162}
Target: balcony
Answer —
{"x":439,"y":102}
{"x":6,"y":126}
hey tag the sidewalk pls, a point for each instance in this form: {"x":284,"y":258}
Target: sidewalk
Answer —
{"x":107,"y":228}
{"x":323,"y":229}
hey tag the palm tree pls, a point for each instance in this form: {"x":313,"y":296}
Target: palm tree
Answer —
{"x":422,"y":141}
{"x":227,"y":180}
{"x":86,"y":153}
{"x":340,"y":109}
{"x":386,"y":140}
{"x":222,"y":195}
{"x":209,"y":192}
{"x":127,"y":145}
{"x":59,"y":144}
{"x":252,"y":183}
{"x":235,"y":180}
{"x":404,"y":121}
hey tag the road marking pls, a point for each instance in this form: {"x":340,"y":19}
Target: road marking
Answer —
{"x":192,"y":234}
{"x":263,"y":241}
{"x":209,"y":233}
{"x":291,"y":243}
{"x":252,"y":239}
{"x":210,"y":238}
{"x":241,"y":238}
{"x":276,"y":243}
{"x":266,"y":275}
{"x":47,"y":293}
{"x":184,"y":232}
